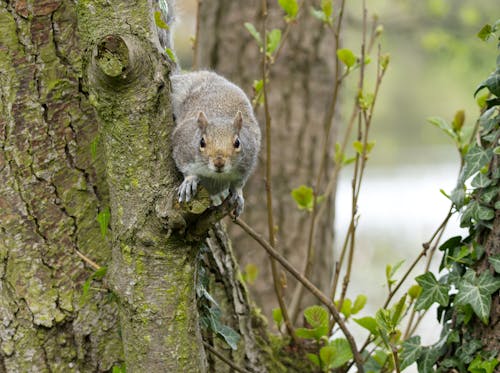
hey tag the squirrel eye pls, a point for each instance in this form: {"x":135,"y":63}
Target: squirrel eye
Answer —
{"x":236,"y":143}
{"x":202,"y":143}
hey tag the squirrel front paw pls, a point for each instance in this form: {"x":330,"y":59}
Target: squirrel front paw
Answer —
{"x":188,"y":188}
{"x":238,"y":202}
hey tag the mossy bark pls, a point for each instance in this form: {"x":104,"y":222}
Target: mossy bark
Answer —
{"x":51,"y":190}
{"x":153,"y":267}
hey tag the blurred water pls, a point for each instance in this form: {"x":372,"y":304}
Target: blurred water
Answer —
{"x":400,"y":207}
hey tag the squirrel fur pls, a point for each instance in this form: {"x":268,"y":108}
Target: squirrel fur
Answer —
{"x":216,"y":139}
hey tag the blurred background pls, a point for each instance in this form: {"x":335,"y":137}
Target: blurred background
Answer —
{"x":436,"y":63}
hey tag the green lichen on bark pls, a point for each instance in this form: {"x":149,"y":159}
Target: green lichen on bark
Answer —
{"x":50,"y":192}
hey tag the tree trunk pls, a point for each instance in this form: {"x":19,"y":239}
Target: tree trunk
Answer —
{"x":60,"y":175}
{"x":301,"y":85}
{"x":51,"y":191}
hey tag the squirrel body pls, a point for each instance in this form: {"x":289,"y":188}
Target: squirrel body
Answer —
{"x":216,"y":139}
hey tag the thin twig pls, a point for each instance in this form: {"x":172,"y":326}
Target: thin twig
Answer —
{"x":309,"y":286}
{"x":224,"y":359}
{"x":327,"y":125}
{"x":90,"y":262}
{"x":270,"y":219}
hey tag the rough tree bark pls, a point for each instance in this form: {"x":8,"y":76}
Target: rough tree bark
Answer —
{"x":51,"y":190}
{"x":57,"y":60}
{"x":300,"y":92}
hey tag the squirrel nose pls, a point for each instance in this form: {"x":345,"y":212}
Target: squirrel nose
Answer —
{"x":219,"y":163}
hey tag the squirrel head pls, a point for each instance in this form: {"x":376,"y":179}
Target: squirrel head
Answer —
{"x":220,"y":144}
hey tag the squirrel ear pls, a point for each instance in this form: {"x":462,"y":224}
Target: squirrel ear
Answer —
{"x":238,"y":121}
{"x":202,"y":121}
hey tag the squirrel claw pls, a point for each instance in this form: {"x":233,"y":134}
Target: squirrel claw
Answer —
{"x":188,"y":188}
{"x":238,"y":202}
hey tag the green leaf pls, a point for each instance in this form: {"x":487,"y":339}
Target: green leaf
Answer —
{"x":427,"y":359}
{"x":411,"y":351}
{"x":443,"y":126}
{"x":159,"y":21}
{"x":492,"y":83}
{"x":273,"y":41}
{"x":432,"y":292}
{"x":291,"y":8}
{"x":369,"y":323}
{"x":314,"y":359}
{"x":103,"y":218}
{"x":336,"y":354}
{"x":229,"y":335}
{"x":480,"y":181}
{"x":495,"y":262}
{"x":316,"y":316}
{"x":119,"y":368}
{"x":346,"y":56}
{"x":327,"y":8}
{"x":478,"y":365}
{"x":359,"y":304}
{"x":486,"y":32}
{"x":93,"y":147}
{"x":304,"y":197}
{"x":277,"y":317}
{"x":327,"y":355}
{"x":97,"y":275}
{"x":306,"y":333}
{"x":458,"y":121}
{"x":397,"y":311}
{"x":475,"y":159}
{"x":251,"y":273}
{"x":346,"y":308}
{"x":476,"y":292}
{"x":415,"y":291}
{"x":253,"y":31}
{"x":170,"y":53}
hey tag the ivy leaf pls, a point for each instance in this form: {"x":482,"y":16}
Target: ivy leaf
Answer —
{"x":492,"y":83}
{"x":411,"y":351}
{"x":480,"y":181}
{"x":476,"y":292}
{"x":346,"y":56}
{"x":229,"y":335}
{"x":427,"y":359}
{"x":291,"y":8}
{"x":495,"y":262}
{"x":432,"y":292}
{"x":475,"y":159}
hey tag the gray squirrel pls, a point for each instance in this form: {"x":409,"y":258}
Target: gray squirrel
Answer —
{"x":216,"y":139}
